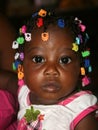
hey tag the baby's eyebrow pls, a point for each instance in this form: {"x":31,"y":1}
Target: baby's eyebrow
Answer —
{"x":69,"y":50}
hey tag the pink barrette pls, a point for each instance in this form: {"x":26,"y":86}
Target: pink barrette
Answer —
{"x":23,"y":29}
{"x":85,"y":81}
{"x":83,"y":27}
{"x":20,"y":82}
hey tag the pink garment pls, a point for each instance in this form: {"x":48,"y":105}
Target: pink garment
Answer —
{"x":8,"y":111}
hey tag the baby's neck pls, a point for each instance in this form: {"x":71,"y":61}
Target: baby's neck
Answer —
{"x":35,"y":100}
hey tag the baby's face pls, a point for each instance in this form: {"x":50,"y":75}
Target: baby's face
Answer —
{"x":51,"y":68}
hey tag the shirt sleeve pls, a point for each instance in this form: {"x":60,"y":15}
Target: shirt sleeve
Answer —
{"x":8,"y":109}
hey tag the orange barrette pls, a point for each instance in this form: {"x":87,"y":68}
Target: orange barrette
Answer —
{"x":82,"y":71}
{"x":20,"y":72}
{"x":45,"y":36}
{"x":42,"y":13}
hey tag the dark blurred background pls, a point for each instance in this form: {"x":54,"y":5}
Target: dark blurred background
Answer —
{"x":18,"y":10}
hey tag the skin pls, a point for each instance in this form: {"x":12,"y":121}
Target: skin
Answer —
{"x":88,"y":123}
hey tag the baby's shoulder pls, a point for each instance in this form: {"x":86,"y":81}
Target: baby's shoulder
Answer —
{"x":80,"y":98}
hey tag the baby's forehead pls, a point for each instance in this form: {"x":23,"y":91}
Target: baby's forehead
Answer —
{"x":53,"y":30}
{"x":57,"y":38}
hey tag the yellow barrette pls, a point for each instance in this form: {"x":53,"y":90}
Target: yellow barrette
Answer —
{"x":75,"y":47}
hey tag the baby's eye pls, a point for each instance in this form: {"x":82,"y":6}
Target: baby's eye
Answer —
{"x":38,"y":59}
{"x":65,"y":60}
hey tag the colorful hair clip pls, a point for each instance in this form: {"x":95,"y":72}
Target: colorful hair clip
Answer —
{"x":75,"y":47}
{"x":83,"y":27}
{"x":20,"y":72}
{"x":85,"y":53}
{"x":28,"y":37}
{"x":61,"y":23}
{"x":21,"y":56}
{"x":90,"y":69}
{"x":86,"y":63}
{"x":45,"y":36}
{"x":20,"y":40}
{"x":78,"y":20}
{"x":20,"y":75}
{"x":20,"y":82}
{"x":16,"y":56}
{"x":42,"y":13}
{"x":20,"y":67}
{"x":82,"y":71}
{"x":13,"y":66}
{"x":16,"y":63}
{"x":85,"y":81}
{"x":15,"y":45}
{"x":77,"y":40}
{"x":23,"y":29}
{"x":39,"y":22}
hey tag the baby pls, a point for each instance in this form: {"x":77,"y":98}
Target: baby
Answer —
{"x":51,"y":57}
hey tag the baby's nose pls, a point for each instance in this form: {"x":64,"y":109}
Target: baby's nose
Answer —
{"x":51,"y":70}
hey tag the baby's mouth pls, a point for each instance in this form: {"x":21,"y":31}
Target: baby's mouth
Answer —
{"x":51,"y":87}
